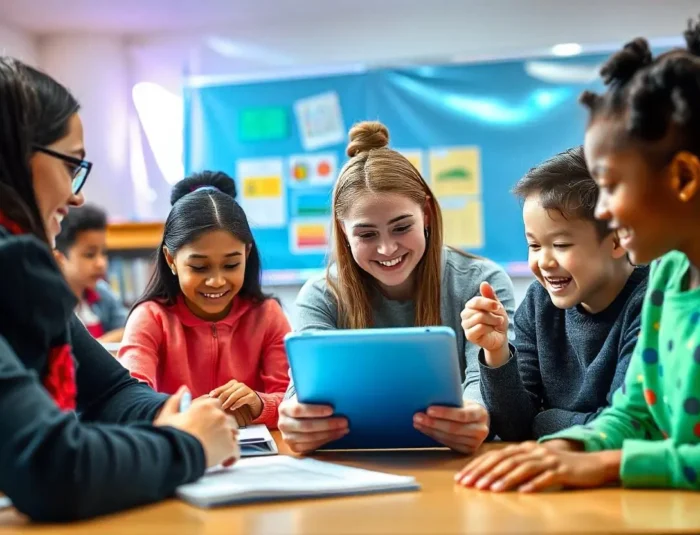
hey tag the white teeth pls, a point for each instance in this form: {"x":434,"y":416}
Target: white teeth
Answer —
{"x":393,"y":262}
{"x":214,"y":296}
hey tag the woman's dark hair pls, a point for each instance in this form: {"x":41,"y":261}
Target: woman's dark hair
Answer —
{"x":201,"y":203}
{"x":656,"y":99}
{"x":564,"y":184}
{"x":34,"y":110}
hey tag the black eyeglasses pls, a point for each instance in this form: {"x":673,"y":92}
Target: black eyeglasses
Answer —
{"x":81,"y":168}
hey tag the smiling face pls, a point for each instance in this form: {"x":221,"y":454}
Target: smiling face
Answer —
{"x":52,"y":178}
{"x":569,"y":259}
{"x":386,"y":233}
{"x":210,"y":271}
{"x":641,"y":201}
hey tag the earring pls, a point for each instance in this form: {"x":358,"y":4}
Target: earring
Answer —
{"x":174,"y":272}
{"x":426,"y":232}
{"x":683,"y":196}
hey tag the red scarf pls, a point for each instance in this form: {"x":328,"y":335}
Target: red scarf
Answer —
{"x":59,"y":380}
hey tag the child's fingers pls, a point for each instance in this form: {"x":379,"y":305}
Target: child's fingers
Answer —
{"x":487,"y":291}
{"x":499,"y":471}
{"x":243,"y":401}
{"x":526,"y":471}
{"x":219,"y":389}
{"x":484,"y":463}
{"x":542,"y":482}
{"x":481,"y":303}
{"x":228,"y":398}
{"x":485,"y":318}
{"x":476,"y":333}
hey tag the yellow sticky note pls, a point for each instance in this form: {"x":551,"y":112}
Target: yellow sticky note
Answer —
{"x":463,"y":222}
{"x":415,"y":157}
{"x":262,"y":186}
{"x":455,"y":171}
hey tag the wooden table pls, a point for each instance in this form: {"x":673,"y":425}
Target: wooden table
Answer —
{"x":439,"y":508}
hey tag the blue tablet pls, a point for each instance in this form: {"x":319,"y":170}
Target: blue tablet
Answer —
{"x":378,"y":379}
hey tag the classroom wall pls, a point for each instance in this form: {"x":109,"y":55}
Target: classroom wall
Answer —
{"x":96,"y":70}
{"x":18,"y":44}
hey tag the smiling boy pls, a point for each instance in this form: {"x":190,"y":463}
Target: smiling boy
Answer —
{"x":81,"y":251}
{"x":578,"y":324}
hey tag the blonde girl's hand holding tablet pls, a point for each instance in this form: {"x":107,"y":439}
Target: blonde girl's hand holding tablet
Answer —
{"x":461,"y":429}
{"x":306,"y":428}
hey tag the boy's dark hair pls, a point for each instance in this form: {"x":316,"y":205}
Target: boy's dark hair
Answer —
{"x":201,"y":203}
{"x":655,"y":99}
{"x":84,"y":218}
{"x":564,"y":184}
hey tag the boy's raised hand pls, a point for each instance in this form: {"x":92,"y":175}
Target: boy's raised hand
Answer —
{"x":485,"y":323}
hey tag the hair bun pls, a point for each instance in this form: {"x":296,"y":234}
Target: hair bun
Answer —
{"x":622,"y":65}
{"x":366,"y":136}
{"x":206,"y":179}
{"x":692,"y":37}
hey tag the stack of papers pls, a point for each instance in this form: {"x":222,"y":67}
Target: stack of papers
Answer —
{"x":287,"y":478}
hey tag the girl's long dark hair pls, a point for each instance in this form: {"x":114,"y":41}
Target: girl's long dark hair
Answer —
{"x":201,"y":203}
{"x":34,"y":110}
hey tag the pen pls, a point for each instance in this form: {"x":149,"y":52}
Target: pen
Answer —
{"x":185,"y":401}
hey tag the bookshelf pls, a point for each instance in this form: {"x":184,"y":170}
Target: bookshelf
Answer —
{"x":134,"y":236}
{"x":131,"y":247}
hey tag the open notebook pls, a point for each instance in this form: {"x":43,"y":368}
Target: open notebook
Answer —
{"x":256,"y":440}
{"x":287,"y":478}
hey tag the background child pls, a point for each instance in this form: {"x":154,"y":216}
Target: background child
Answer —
{"x":576,"y":329}
{"x":81,"y":251}
{"x":203,"y":320}
{"x":391,"y":269}
{"x":643,"y":149}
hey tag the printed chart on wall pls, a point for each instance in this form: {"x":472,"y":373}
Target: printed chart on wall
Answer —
{"x":311,"y":178}
{"x":262,"y":194}
{"x":455,"y":178}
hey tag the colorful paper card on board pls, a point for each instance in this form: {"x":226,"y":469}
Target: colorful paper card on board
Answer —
{"x":263,"y":124}
{"x":455,"y":171}
{"x":310,"y":236}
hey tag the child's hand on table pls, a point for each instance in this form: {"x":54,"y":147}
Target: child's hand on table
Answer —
{"x":533,"y":467}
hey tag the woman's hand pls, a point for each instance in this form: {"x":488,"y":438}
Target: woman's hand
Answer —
{"x":207,"y":422}
{"x":461,"y":429}
{"x":306,"y":428}
{"x":533,"y":467}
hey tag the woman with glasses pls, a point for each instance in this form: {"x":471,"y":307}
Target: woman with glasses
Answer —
{"x":78,"y":436}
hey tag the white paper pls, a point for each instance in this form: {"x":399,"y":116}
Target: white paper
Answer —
{"x":261,"y":191}
{"x":284,"y":477}
{"x":309,"y":170}
{"x":320,"y":121}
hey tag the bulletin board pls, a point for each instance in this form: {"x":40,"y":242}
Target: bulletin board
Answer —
{"x":471,"y":130}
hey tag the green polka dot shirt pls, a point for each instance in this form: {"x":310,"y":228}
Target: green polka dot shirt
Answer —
{"x":655,"y":416}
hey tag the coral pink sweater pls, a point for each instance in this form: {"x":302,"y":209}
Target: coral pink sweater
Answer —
{"x":167,"y":347}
